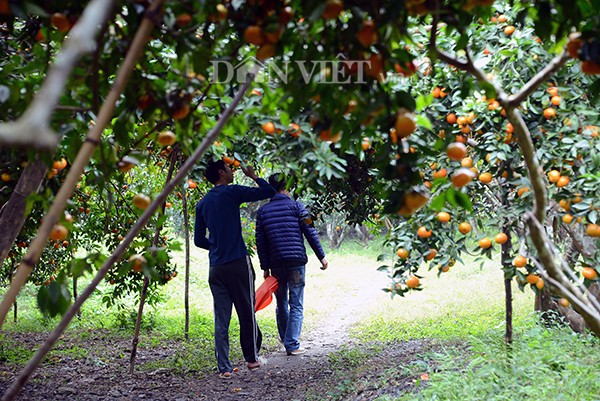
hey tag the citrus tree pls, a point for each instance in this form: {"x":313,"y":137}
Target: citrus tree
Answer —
{"x":111,"y":88}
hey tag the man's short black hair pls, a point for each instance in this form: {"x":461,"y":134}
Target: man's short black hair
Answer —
{"x":277,"y":181}
{"x":212,"y":171}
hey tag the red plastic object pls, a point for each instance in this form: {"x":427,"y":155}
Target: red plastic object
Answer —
{"x":264,"y":293}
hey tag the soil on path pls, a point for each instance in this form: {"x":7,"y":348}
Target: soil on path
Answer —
{"x":310,"y":376}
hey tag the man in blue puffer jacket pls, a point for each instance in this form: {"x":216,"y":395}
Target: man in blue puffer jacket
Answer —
{"x":281,"y":226}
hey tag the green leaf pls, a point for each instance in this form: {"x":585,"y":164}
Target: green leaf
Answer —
{"x":463,"y":201}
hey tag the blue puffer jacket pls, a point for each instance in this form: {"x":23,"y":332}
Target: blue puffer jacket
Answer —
{"x":280,"y":232}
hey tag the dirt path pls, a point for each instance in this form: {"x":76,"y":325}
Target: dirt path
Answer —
{"x":311,"y":376}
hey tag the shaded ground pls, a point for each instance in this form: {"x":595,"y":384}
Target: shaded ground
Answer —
{"x":333,"y":368}
{"x":103,"y":374}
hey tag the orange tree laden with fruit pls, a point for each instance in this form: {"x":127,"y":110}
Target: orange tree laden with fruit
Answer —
{"x":349,"y":101}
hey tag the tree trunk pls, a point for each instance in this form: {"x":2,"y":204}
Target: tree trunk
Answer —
{"x":138,"y":324}
{"x":186,"y":227}
{"x":12,"y":214}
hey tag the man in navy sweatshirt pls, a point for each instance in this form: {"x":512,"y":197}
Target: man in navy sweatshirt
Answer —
{"x":231,"y":275}
{"x":281,"y":226}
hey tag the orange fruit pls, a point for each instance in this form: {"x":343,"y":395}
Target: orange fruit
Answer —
{"x":61,"y":22}
{"x":367,"y":34}
{"x":539,"y":284}
{"x":137,"y":262}
{"x":501,"y":18}
{"x":423,"y":232}
{"x":522,"y":191}
{"x":365,"y":144}
{"x":443,"y":217}
{"x":431,"y":254}
{"x":333,"y":9}
{"x":266,"y":51}
{"x":414,"y":199}
{"x":294,"y":130}
{"x":456,"y":151}
{"x":59,"y":164}
{"x":59,"y":233}
{"x":254,"y":35}
{"x":574,"y":45}
{"x":405,"y":123}
{"x":451,"y":118}
{"x":593,"y":130}
{"x":553,"y":176}
{"x":228,"y":160}
{"x":402,"y":253}
{"x":532,"y":278}
{"x":467,"y":162}
{"x":590,"y":67}
{"x":464,"y":228}
{"x":485,"y":243}
{"x":412,"y":282}
{"x":565,"y":204}
{"x":564,"y":302}
{"x":221,"y":12}
{"x":553,"y":91}
{"x":268,"y":127}
{"x":326,"y":135}
{"x":563,"y":181}
{"x":183,"y":19}
{"x":549,"y":113}
{"x":520,"y":261}
{"x":192,"y":184}
{"x":555,"y":100}
{"x":486,"y":177}
{"x":509,"y":30}
{"x":441,"y":173}
{"x":589,"y":273}
{"x":462,"y":177}
{"x":593,"y":230}
{"x":567,"y":218}
{"x":181,"y":112}
{"x":141,"y":201}
{"x":52,"y":172}
{"x":501,"y":238}
{"x":166,"y":138}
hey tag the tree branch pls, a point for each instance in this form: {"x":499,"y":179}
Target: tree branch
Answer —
{"x":77,"y":168}
{"x":556,"y":64}
{"x":32,"y":128}
{"x":41,"y":353}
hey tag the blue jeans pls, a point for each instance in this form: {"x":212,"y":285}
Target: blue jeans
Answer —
{"x":290,"y":298}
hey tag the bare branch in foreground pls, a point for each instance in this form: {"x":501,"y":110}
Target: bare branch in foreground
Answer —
{"x":41,"y":353}
{"x":32,"y":130}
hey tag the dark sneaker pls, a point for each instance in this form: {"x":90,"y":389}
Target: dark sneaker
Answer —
{"x":295,"y":352}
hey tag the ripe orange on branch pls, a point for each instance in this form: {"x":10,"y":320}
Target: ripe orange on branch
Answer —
{"x":61,"y":22}
{"x":431,"y":254}
{"x":59,"y":164}
{"x":593,"y":230}
{"x":405,"y":123}
{"x":589,"y":273}
{"x":423,"y":232}
{"x":456,"y":151}
{"x":520,"y":261}
{"x":402,"y":253}
{"x":268,"y":127}
{"x":462,"y":177}
{"x":412,"y":282}
{"x":485,"y":177}
{"x":333,"y":9}
{"x":59,"y":233}
{"x":501,"y":238}
{"x":464,"y":228}
{"x":553,"y":176}
{"x":443,"y":217}
{"x":166,"y":138}
{"x":254,"y":35}
{"x":485,"y":243}
{"x":141,"y":201}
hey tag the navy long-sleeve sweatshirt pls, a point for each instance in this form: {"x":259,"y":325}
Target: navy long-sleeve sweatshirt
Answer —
{"x":219,"y":213}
